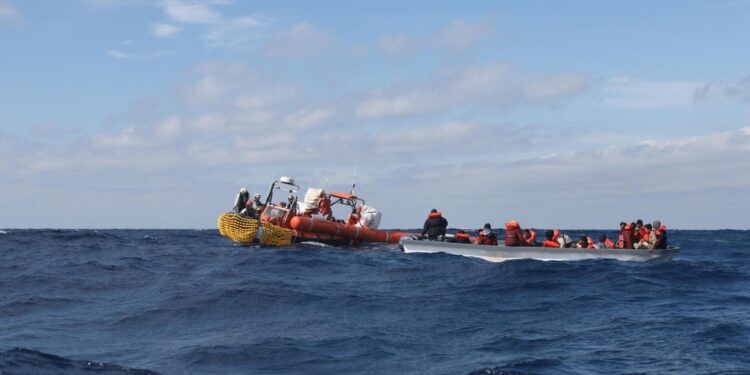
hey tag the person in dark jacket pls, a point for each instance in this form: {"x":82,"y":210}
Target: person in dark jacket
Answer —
{"x":488,"y":236}
{"x":660,"y":231}
{"x":241,"y":201}
{"x":435,"y":226}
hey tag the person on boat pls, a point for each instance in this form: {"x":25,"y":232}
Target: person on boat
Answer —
{"x":513,"y":234}
{"x":367,"y":216}
{"x":257,"y":205}
{"x":585,"y":242}
{"x":487,"y":236}
{"x":660,"y":235}
{"x":564,"y":240}
{"x":529,"y":237}
{"x":604,"y":243}
{"x":462,"y":237}
{"x":241,"y":201}
{"x":435,"y":226}
{"x":550,"y":238}
{"x":645,"y":238}
{"x":625,"y":238}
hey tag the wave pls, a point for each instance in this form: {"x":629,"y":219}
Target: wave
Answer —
{"x":27,"y":361}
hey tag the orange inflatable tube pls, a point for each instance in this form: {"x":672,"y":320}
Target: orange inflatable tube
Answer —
{"x":307,"y":224}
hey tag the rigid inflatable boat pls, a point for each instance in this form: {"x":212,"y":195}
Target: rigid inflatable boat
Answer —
{"x":308,"y":220}
{"x":502,"y":253}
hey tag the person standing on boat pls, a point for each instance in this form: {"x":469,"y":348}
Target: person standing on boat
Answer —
{"x":241,"y":201}
{"x":625,"y":238}
{"x":257,"y":205}
{"x":488,"y":236}
{"x":435,"y":226}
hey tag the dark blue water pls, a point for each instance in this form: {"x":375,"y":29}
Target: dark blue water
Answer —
{"x":192,"y":302}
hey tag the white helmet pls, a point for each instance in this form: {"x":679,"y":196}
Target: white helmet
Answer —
{"x":243,"y":190}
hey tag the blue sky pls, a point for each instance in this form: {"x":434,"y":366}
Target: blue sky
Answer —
{"x":152,"y":114}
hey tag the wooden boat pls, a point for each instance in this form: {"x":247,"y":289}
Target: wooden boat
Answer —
{"x":502,"y":253}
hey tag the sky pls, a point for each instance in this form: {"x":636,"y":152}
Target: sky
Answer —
{"x":580,"y":114}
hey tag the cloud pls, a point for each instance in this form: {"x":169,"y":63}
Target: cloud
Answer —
{"x":491,"y":85}
{"x":399,"y":45}
{"x":164,"y":30}
{"x":302,"y":39}
{"x":460,"y":35}
{"x":8,"y":11}
{"x":237,"y":32}
{"x":738,"y":91}
{"x":195,"y":12}
{"x":631,"y":93}
{"x":119,"y":54}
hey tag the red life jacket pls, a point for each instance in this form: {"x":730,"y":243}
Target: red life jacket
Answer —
{"x":548,"y":243}
{"x":513,"y":234}
{"x":609,"y":244}
{"x":591,"y":242}
{"x":434,"y":215}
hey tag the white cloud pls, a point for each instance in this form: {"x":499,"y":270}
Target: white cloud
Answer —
{"x":237,"y":32}
{"x":165,"y":30}
{"x":491,"y":85}
{"x":197,"y":12}
{"x":119,"y":54}
{"x":8,"y":10}
{"x":124,"y":138}
{"x":739,"y":91}
{"x":169,"y":128}
{"x":632,"y":93}
{"x":460,"y":35}
{"x":303,"y":39}
{"x":399,"y":45}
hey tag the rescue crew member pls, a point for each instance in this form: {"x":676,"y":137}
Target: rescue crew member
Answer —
{"x":529,"y":237}
{"x":660,"y":232}
{"x":241,"y":201}
{"x":550,"y":238}
{"x":487,"y":236}
{"x":258,"y":206}
{"x":513,"y":234}
{"x":435,"y":226}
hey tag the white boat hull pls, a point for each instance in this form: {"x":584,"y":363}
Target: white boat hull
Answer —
{"x":502,"y":253}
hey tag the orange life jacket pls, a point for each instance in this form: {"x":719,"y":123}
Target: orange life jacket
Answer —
{"x":548,"y":243}
{"x":513,"y":234}
{"x":609,"y":244}
{"x":434,"y":214}
{"x":462,"y":235}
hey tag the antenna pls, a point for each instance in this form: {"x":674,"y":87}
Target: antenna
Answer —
{"x":354,"y":179}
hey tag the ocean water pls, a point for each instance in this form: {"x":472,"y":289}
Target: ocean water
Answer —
{"x":192,"y":302}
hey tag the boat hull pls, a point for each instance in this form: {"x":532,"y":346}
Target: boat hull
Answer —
{"x":317,"y":227}
{"x":502,"y":253}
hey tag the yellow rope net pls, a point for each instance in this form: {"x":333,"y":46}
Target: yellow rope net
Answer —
{"x":245,"y":230}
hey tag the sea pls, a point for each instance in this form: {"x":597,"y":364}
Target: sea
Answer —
{"x":193,"y":302}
